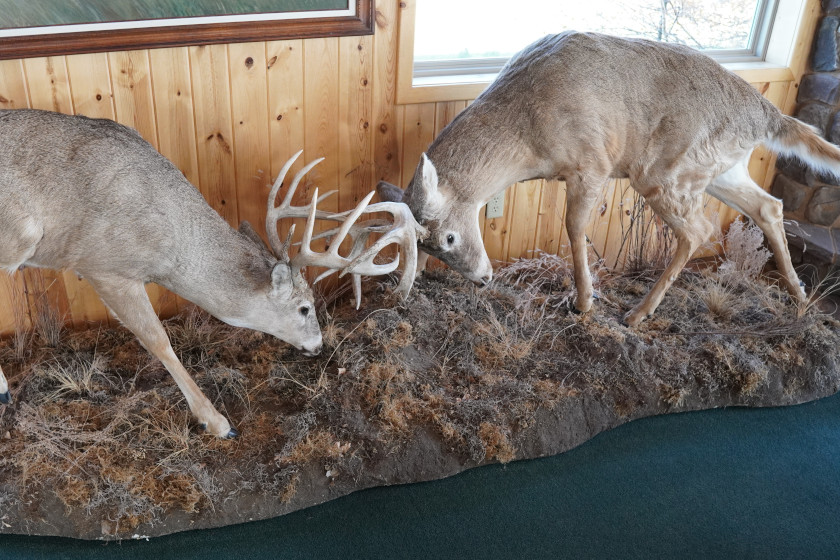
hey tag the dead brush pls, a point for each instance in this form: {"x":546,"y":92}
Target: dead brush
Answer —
{"x":47,"y":320}
{"x":166,"y":434}
{"x":196,"y":338}
{"x":546,"y":280}
{"x":820,"y":295}
{"x":20,"y":316}
{"x":744,"y":253}
{"x":646,"y":241}
{"x":227,"y":383}
{"x":500,"y":343}
{"x":317,"y":445}
{"x":76,"y":376}
{"x":720,"y":299}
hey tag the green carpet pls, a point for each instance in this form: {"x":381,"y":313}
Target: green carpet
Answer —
{"x":735,"y":483}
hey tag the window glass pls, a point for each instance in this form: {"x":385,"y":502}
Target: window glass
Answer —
{"x":469,"y":29}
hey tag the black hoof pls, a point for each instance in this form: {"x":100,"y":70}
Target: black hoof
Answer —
{"x":6,"y":398}
{"x":575,"y":310}
{"x":232,"y":434}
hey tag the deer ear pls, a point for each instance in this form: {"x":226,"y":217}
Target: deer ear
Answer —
{"x":429,"y":174}
{"x":424,"y":194}
{"x":281,"y":281}
{"x":388,"y":192}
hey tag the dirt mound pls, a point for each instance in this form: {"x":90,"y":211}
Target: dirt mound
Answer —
{"x":99,"y":442}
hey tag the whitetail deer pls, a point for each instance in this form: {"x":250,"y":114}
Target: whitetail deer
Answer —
{"x":92,"y":196}
{"x":586,"y":107}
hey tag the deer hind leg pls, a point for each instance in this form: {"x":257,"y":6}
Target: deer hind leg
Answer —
{"x":691,"y":230}
{"x":735,"y":188}
{"x":20,"y":241}
{"x":128,"y":301}
{"x":5,"y":396}
{"x":581,"y":195}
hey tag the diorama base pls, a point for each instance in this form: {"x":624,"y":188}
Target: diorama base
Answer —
{"x":99,"y":444}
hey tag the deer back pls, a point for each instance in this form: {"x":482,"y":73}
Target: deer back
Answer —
{"x":106,"y":204}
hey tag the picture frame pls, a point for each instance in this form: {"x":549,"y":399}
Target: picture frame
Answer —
{"x":341,"y":18}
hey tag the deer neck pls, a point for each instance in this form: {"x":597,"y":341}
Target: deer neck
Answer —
{"x":219,"y":269}
{"x":481,"y":154}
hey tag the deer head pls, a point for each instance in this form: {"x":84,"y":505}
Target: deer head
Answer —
{"x":452,"y":222}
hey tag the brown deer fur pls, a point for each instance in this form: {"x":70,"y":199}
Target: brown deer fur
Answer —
{"x":585,"y":108}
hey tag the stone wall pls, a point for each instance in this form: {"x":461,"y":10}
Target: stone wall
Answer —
{"x":812,"y":200}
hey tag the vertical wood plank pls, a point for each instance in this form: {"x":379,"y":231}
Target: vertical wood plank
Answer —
{"x":172,"y":91}
{"x":551,"y":217}
{"x":252,"y":153}
{"x":320,"y":93}
{"x":285,"y":101}
{"x":131,"y":81}
{"x":15,"y":312}
{"x":49,"y":85}
{"x":214,"y":128}
{"x":615,"y":251}
{"x":12,"y":85}
{"x":526,"y":205}
{"x":387,"y":115}
{"x":355,"y":115}
{"x":599,"y":219}
{"x":90,"y":82}
{"x":418,"y":134}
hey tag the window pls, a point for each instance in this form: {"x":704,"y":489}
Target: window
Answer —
{"x":473,"y":39}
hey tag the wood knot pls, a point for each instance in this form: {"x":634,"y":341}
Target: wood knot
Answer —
{"x":249,"y":62}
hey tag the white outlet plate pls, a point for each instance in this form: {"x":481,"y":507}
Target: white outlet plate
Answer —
{"x":495,"y":206}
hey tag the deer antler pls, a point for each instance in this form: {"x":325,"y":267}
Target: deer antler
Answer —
{"x":404,"y":231}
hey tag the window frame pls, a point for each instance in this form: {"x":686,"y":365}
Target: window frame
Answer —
{"x":171,"y":33}
{"x":780,"y":47}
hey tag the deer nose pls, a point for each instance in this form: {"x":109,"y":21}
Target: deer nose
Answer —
{"x":485,"y":280}
{"x":314,"y":352}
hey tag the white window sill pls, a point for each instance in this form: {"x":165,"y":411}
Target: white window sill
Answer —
{"x":469,"y":86}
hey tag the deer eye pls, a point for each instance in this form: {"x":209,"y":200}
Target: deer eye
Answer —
{"x":450,"y":239}
{"x":304,"y":310}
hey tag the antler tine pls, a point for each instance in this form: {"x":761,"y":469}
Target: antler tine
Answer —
{"x":285,"y":210}
{"x":270,"y":216}
{"x":331,"y":260}
{"x":293,"y":187}
{"x":404,"y":231}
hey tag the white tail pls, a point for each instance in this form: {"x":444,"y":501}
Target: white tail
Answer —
{"x":585,"y":108}
{"x":92,"y":196}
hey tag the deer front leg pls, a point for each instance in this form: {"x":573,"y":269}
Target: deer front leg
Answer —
{"x":691,"y":230}
{"x":580,"y":196}
{"x":128,"y":301}
{"x":5,"y":396}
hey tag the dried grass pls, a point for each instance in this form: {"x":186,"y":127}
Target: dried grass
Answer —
{"x":106,"y":429}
